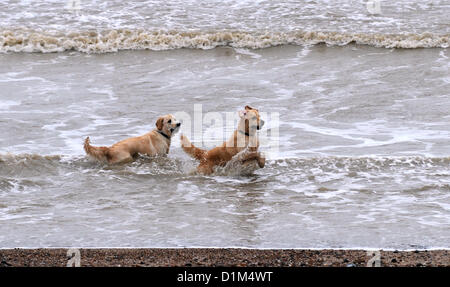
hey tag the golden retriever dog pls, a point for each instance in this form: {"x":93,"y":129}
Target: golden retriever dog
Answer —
{"x":156,"y":142}
{"x":245,"y":137}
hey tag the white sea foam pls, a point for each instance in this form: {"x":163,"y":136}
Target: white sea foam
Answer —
{"x":6,"y":105}
{"x":23,"y":40}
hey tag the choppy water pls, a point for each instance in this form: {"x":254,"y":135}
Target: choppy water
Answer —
{"x":108,"y":26}
{"x":364,"y":153}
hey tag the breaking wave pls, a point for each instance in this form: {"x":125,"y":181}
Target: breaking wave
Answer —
{"x":23,"y":40}
{"x":147,"y":164}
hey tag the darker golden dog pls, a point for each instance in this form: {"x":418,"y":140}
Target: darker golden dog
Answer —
{"x":245,"y":137}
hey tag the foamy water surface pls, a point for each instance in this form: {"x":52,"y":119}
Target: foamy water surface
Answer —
{"x":109,"y":26}
{"x":362,"y":154}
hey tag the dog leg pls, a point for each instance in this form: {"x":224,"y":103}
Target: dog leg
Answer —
{"x":205,"y":168}
{"x":120,"y":157}
{"x":261,"y":161}
{"x":248,"y":156}
{"x":253,"y":156}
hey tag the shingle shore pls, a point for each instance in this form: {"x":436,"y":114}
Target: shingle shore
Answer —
{"x":209,"y":257}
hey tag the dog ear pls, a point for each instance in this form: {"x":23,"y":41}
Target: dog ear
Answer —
{"x":248,"y":108}
{"x":159,"y":123}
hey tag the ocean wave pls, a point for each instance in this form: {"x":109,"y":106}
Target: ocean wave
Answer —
{"x":28,"y":41}
{"x":25,"y":165}
{"x":146,"y":162}
{"x":18,"y":158}
{"x":370,"y":163}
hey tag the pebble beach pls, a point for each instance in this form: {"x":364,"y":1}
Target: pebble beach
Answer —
{"x":226,"y":257}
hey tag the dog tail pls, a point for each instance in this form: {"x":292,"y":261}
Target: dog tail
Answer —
{"x":192,"y":150}
{"x":99,"y":153}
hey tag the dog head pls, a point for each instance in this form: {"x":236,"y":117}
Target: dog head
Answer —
{"x":168,"y":125}
{"x":251,"y":119}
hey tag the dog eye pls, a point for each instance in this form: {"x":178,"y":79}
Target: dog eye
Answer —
{"x":169,"y":121}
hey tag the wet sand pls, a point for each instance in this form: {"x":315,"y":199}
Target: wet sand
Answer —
{"x":211,"y":257}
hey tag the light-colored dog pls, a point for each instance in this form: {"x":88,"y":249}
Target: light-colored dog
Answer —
{"x":245,"y":137}
{"x":156,"y":142}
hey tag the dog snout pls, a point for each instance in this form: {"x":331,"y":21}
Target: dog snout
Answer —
{"x":178,"y":124}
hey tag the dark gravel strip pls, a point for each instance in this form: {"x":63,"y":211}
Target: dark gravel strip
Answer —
{"x":221,"y":257}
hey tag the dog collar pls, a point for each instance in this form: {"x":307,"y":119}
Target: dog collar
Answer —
{"x":247,"y":134}
{"x":164,"y":135}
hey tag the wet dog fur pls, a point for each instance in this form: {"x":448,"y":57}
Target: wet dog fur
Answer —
{"x":153,"y":143}
{"x":245,"y":137}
